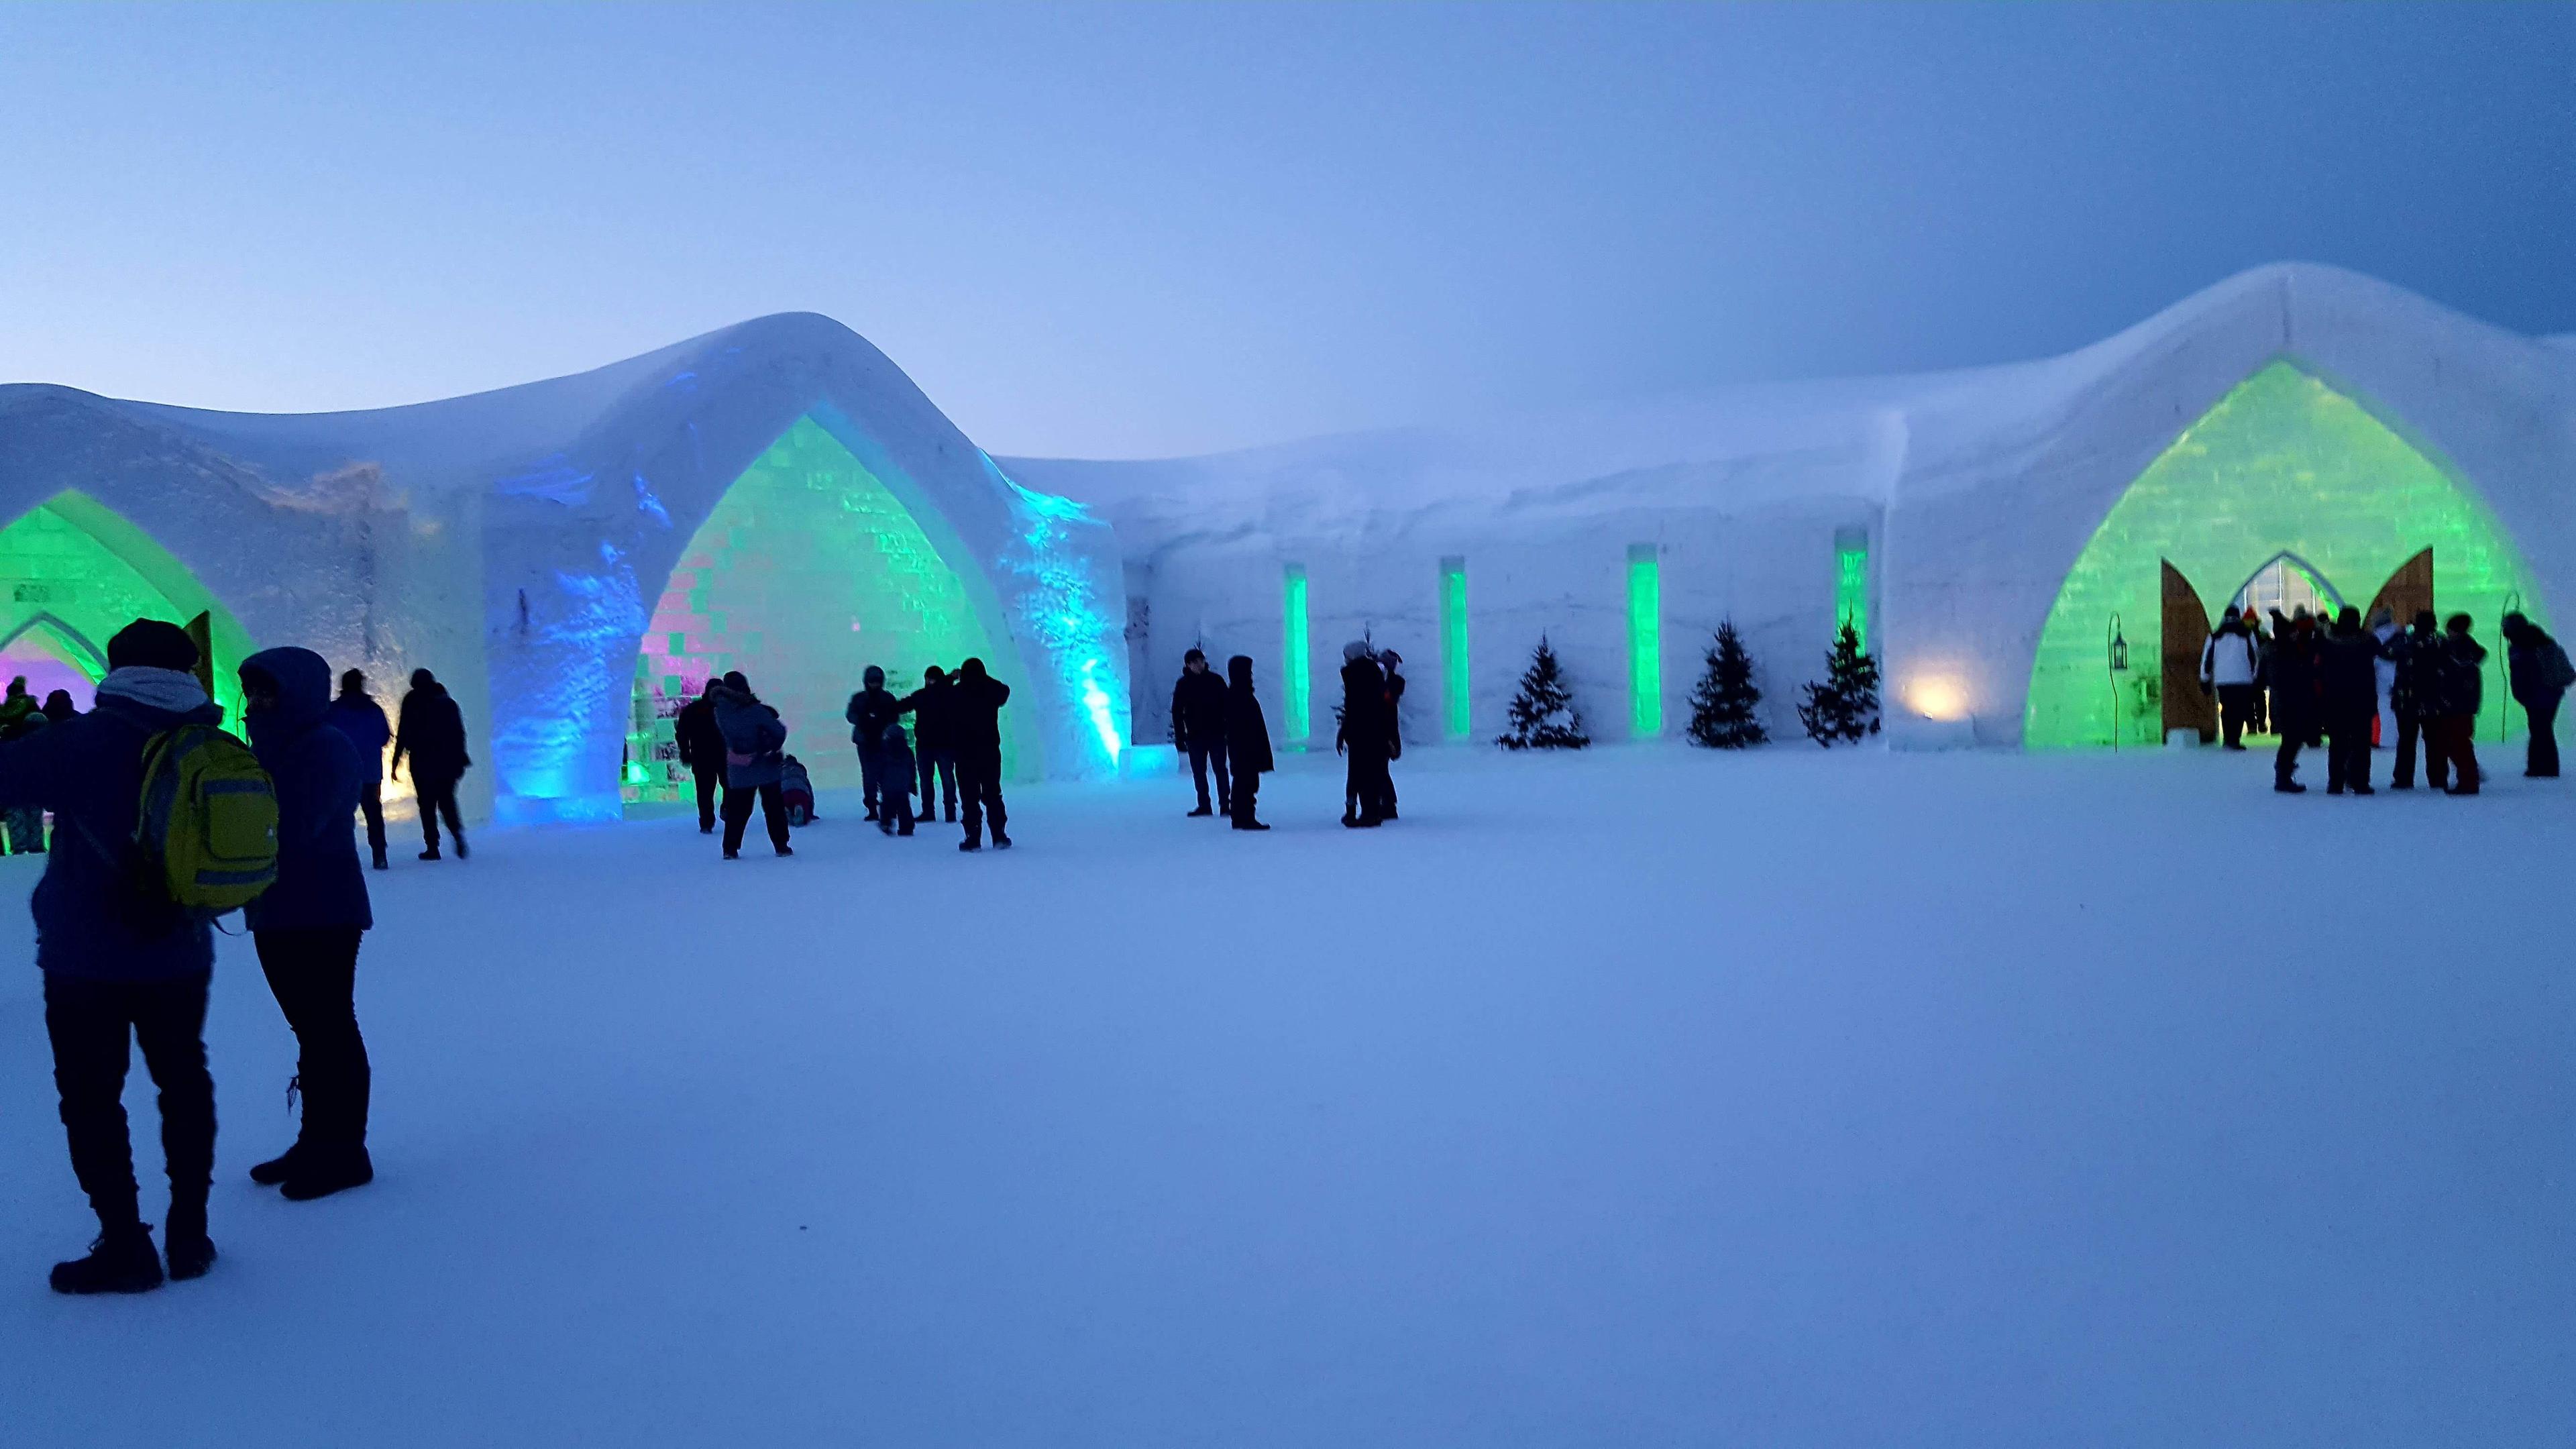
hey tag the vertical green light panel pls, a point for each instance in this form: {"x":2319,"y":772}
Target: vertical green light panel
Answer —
{"x":1295,"y":663}
{"x":1851,"y":582}
{"x":1453,"y":646}
{"x":1645,"y":642}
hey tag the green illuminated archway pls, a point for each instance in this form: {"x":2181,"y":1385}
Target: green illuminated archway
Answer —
{"x":73,"y":572}
{"x":2283,"y":463}
{"x":809,"y":570}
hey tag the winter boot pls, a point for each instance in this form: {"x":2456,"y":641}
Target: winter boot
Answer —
{"x":121,"y":1260}
{"x":430,"y":854}
{"x":787,"y":850}
{"x":185,"y":1242}
{"x":733,"y":855}
{"x":279,"y":1168}
{"x":2289,"y":787}
{"x":970,"y":843}
{"x":885,"y":825}
{"x":461,"y":852}
{"x":904,"y":829}
{"x":322,"y":1171}
{"x":381,"y":862}
{"x":1200,"y":812}
{"x":1001,"y":841}
{"x":1250,"y":825}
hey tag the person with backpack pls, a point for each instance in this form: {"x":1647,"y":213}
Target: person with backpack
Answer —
{"x":755,"y":747}
{"x":308,"y":924}
{"x":357,"y":716}
{"x":432,"y":735}
{"x":2227,"y":668}
{"x":702,"y":750}
{"x":123,"y":960}
{"x":932,"y":740}
{"x":2538,"y":673}
{"x":869,"y":712}
{"x":1247,"y":741}
{"x":975,"y":721}
{"x":2462,"y":692}
{"x":20,"y":716}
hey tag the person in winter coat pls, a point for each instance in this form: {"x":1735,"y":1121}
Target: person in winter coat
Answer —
{"x":2452,"y":731}
{"x":2297,"y":694}
{"x":2415,"y":698}
{"x":755,"y":745}
{"x":975,"y":721}
{"x":120,"y":964}
{"x":432,"y":736}
{"x":702,"y":750}
{"x":2264,"y":640}
{"x":936,"y":756}
{"x":2227,"y":665}
{"x":2384,"y":634}
{"x":2539,"y":674}
{"x":59,"y":707}
{"x":1362,"y":738}
{"x":308,"y":924}
{"x":796,"y":791}
{"x":356,"y":715}
{"x":1198,"y":727}
{"x":870,"y":711}
{"x":2348,"y":679}
{"x":894,"y":782}
{"x":1390,"y":661}
{"x":20,"y":716}
{"x":1247,"y":742}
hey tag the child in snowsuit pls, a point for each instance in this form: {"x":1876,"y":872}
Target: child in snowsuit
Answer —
{"x":796,"y":791}
{"x":895,"y":781}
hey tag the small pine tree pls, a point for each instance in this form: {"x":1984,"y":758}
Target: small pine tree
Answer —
{"x":1722,"y":706}
{"x":1845,"y":706}
{"x":1543,"y":714}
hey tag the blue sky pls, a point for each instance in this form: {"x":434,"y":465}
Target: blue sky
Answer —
{"x":1139,"y":230}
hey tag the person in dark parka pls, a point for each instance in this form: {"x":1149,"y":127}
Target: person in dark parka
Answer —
{"x":59,"y":706}
{"x":755,"y":763}
{"x":1363,"y":736}
{"x":2297,"y":696}
{"x":119,"y":964}
{"x":1199,"y":711}
{"x":2348,"y":686}
{"x":2415,"y":698}
{"x":1247,"y":741}
{"x":1392,"y":663}
{"x":307,"y":926}
{"x":2453,"y":728}
{"x":894,"y":781}
{"x":432,"y":737}
{"x":975,"y":720}
{"x":2538,"y":673}
{"x":356,"y":715}
{"x":702,"y":750}
{"x":870,"y":711}
{"x":21,"y":716}
{"x":932,"y":740}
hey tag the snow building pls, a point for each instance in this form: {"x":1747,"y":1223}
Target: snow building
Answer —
{"x":571,"y":557}
{"x":2033,"y":551}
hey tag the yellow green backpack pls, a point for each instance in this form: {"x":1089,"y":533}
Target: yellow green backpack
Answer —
{"x":209,"y":819}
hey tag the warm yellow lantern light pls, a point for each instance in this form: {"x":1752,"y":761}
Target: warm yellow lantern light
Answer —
{"x":1938,"y":696}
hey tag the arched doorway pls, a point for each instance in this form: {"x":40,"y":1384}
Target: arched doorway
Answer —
{"x":72,"y":573}
{"x":2284,"y":477}
{"x":809,"y":570}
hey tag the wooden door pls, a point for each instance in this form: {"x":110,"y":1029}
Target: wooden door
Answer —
{"x":2186,"y":629}
{"x":2409,"y":591}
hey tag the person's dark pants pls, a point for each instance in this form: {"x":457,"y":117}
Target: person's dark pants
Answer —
{"x":371,"y":804}
{"x":2541,"y":757}
{"x":437,"y":797}
{"x":1204,"y":758}
{"x":737,"y":813}
{"x":979,"y":782}
{"x":1247,"y":795}
{"x":1367,"y":784}
{"x":943,"y":765}
{"x":2285,"y":761}
{"x":1386,"y":787}
{"x":314,"y":975}
{"x":870,"y":766}
{"x":894,"y":808}
{"x":88,"y":1023}
{"x":2235,"y":713}
{"x":710,"y":780}
{"x":2410,"y":732}
{"x":2348,"y":754}
{"x":2453,"y":750}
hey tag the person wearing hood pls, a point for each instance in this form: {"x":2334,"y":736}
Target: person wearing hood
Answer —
{"x":931,"y":740}
{"x":2348,"y":687}
{"x":1247,"y":741}
{"x":357,"y":716}
{"x":2297,"y":693}
{"x":975,"y":723}
{"x":59,"y":707}
{"x":755,"y":749}
{"x":702,"y":750}
{"x":308,"y":924}
{"x":2227,"y":666}
{"x":1199,"y":712}
{"x":1392,"y":662}
{"x":2415,"y":698}
{"x":432,"y":735}
{"x":20,"y":717}
{"x":1362,"y":737}
{"x":894,"y":781}
{"x":2538,"y":673}
{"x":120,"y":965}
{"x":870,"y":711}
{"x":2452,"y":731}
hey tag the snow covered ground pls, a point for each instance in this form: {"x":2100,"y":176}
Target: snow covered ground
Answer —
{"x":1644,"y":1098}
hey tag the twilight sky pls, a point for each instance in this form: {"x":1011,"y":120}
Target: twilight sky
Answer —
{"x":1140,"y":230}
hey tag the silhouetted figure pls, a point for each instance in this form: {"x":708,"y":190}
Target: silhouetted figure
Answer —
{"x":21,"y":716}
{"x":755,"y":745}
{"x":1392,"y":662}
{"x":894,"y":782}
{"x":796,"y":792}
{"x":2463,"y":692}
{"x":59,"y":707}
{"x":2348,"y":677}
{"x":702,"y":750}
{"x":432,"y":737}
{"x":120,"y":964}
{"x":975,"y":715}
{"x":307,"y":926}
{"x":2416,"y":698}
{"x":2227,"y":667}
{"x":357,"y":716}
{"x":1198,"y":727}
{"x":1247,"y":741}
{"x":870,"y":711}
{"x":932,"y":740}
{"x":1362,"y":737}
{"x":2297,"y":696}
{"x":2538,"y":672}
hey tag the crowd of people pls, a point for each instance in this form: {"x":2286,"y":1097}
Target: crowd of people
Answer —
{"x":2312,"y":684}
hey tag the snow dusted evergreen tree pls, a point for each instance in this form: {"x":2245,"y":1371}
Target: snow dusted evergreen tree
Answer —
{"x":1722,"y":705}
{"x":1543,"y":714}
{"x":1845,"y":706}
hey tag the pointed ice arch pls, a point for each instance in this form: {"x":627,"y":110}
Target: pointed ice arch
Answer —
{"x":73,"y":571}
{"x":2283,"y":464}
